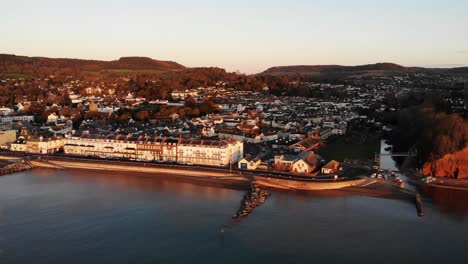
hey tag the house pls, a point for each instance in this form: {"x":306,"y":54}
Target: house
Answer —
{"x":39,"y":145}
{"x":240,"y":108}
{"x":249,"y":162}
{"x":5,"y":111}
{"x":328,"y":124}
{"x":269,"y":136}
{"x":325,"y":133}
{"x":61,"y":129}
{"x":246,"y":128}
{"x":182,"y":95}
{"x":227,"y":133}
{"x":208,"y":132}
{"x":10,"y":119}
{"x":130,"y":97}
{"x":340,"y":128}
{"x":52,"y":118}
{"x":309,"y":144}
{"x":306,"y":163}
{"x":331,"y":167}
{"x":284,"y":162}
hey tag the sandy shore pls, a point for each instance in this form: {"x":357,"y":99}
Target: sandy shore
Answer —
{"x":184,"y":172}
{"x":196,"y":173}
{"x":305,"y":185}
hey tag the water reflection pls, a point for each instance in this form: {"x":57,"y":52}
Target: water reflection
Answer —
{"x":51,"y":216}
{"x":451,"y":201}
{"x":142,"y":182}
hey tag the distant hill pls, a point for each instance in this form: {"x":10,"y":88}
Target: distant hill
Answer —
{"x":459,"y":70}
{"x":38,"y":66}
{"x":339,"y":68}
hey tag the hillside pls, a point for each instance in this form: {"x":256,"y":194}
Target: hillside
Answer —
{"x":342,"y":71}
{"x":339,"y":68}
{"x":459,"y":70}
{"x":452,"y":165}
{"x":40,"y":66}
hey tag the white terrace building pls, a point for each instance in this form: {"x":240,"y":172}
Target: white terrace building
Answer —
{"x":10,"y":119}
{"x":141,"y":148}
{"x":195,"y":151}
{"x":38,"y":145}
{"x":182,"y":95}
{"x":210,"y":152}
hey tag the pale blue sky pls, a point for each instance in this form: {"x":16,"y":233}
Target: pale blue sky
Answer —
{"x":245,"y":35}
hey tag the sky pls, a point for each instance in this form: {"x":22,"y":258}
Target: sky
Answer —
{"x":245,"y":35}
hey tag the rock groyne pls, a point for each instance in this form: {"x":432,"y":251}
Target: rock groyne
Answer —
{"x":16,"y":167}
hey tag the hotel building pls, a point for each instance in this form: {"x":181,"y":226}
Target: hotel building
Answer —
{"x":191,"y":151}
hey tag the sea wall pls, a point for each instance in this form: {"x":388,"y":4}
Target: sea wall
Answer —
{"x":13,"y":158}
{"x":141,"y":168}
{"x":305,"y":185}
{"x":198,"y":173}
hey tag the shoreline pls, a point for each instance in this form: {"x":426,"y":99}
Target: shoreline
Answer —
{"x":214,"y":175}
{"x":220,"y":175}
{"x":438,"y":182}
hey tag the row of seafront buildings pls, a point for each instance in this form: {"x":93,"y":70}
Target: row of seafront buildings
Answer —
{"x":147,"y":148}
{"x":178,"y":150}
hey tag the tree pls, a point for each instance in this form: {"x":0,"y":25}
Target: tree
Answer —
{"x":92,"y":115}
{"x":142,"y":115}
{"x":190,"y":102}
{"x":66,"y":111}
{"x":36,"y":109}
{"x":208,"y":107}
{"x":195,"y":112}
{"x":124,"y":117}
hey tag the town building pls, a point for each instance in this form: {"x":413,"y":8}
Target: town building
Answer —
{"x":249,"y":162}
{"x":52,"y":118}
{"x":189,"y":151}
{"x":330,"y":167}
{"x":210,"y":152}
{"x":38,"y":145}
{"x":4,"y":111}
{"x":10,"y":119}
{"x":6,"y":137}
{"x":284,"y":162}
{"x":309,"y":144}
{"x":306,"y":163}
{"x":182,"y":95}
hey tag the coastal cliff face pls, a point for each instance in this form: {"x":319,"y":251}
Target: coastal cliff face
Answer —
{"x":448,"y":165}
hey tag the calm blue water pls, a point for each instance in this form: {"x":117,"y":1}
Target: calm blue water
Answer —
{"x":50,"y":216}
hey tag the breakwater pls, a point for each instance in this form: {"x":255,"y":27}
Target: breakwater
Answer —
{"x":254,"y":198}
{"x":251,"y":200}
{"x":16,"y":167}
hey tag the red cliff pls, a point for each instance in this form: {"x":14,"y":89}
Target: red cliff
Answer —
{"x":448,"y":165}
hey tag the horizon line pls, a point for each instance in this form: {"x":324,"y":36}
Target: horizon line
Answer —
{"x":426,"y":66}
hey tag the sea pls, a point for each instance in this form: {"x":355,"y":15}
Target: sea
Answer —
{"x":80,"y":216}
